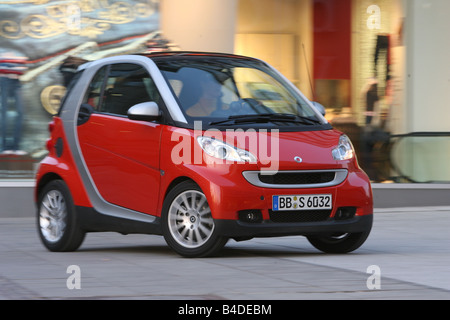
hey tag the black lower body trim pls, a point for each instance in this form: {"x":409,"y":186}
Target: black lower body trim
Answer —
{"x":93,"y":221}
{"x":239,"y":229}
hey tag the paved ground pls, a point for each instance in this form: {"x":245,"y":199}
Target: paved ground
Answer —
{"x":410,"y":248}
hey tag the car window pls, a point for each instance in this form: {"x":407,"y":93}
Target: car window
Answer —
{"x":212,"y":89}
{"x":93,"y":94}
{"x":117,"y":87}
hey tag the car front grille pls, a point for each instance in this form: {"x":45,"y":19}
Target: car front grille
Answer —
{"x":300,"y":179}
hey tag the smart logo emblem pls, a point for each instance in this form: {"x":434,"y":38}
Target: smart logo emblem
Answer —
{"x":298,"y":159}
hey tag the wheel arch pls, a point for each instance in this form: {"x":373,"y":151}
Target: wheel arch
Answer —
{"x":207,"y":186}
{"x":175,"y":182}
{"x":43,"y":181}
{"x":73,"y":182}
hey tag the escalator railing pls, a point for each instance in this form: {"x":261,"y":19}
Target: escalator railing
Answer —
{"x":420,"y":157}
{"x":416,"y":157}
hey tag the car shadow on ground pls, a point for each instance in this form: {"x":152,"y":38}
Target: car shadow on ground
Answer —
{"x":248,"y":249}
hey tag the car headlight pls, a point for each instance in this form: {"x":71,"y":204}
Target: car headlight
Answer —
{"x":344,"y":150}
{"x":221,"y":150}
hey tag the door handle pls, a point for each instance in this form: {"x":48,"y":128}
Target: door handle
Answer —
{"x":84,"y":113}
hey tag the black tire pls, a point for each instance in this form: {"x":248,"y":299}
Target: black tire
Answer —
{"x":187,"y":223}
{"x":339,"y":243}
{"x":57,"y":223}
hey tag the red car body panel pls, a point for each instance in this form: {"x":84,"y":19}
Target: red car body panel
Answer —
{"x":123,"y":160}
{"x":61,"y":166}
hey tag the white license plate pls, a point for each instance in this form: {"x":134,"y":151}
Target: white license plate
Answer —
{"x":302,"y":202}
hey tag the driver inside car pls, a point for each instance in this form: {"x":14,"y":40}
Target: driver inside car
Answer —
{"x":209,"y":94}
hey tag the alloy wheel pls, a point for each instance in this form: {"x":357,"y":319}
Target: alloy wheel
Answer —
{"x":52,"y":216}
{"x":190,"y":220}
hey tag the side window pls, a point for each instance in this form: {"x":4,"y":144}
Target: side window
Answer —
{"x":94,"y":92}
{"x":125,"y":85}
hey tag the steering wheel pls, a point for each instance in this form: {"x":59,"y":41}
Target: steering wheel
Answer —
{"x":248,"y":106}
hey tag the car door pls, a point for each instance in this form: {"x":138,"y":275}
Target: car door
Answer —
{"x":121,"y":155}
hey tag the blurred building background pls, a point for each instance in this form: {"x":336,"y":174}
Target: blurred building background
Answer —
{"x":380,"y":67}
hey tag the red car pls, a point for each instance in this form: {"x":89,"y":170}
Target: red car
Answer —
{"x":200,"y":148}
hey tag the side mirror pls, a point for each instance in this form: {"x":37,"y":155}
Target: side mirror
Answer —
{"x":319,"y":107}
{"x":145,"y":111}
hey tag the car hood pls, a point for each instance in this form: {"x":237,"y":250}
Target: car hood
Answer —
{"x":306,"y":150}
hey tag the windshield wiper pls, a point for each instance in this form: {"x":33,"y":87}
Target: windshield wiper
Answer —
{"x":264,"y":118}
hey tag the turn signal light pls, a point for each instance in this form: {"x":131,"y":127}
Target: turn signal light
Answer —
{"x":49,"y":145}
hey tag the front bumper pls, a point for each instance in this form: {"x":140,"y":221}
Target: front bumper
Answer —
{"x":239,"y":229}
{"x":232,"y":197}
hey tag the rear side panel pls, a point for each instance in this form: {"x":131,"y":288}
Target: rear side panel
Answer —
{"x":59,"y":164}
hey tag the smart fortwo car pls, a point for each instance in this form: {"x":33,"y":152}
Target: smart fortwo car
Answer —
{"x":200,"y":148}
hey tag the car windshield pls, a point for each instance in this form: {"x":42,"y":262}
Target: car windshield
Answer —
{"x":224,"y":91}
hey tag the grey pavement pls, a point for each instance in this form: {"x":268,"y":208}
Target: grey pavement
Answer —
{"x":410,"y":246}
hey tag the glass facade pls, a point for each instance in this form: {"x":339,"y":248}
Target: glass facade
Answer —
{"x":380,"y":67}
{"x":41,"y":44}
